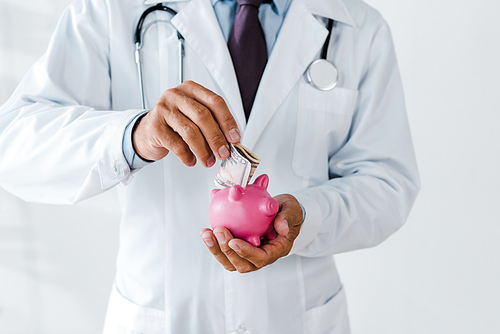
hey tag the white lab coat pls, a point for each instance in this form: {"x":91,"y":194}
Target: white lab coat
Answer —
{"x":346,"y":154}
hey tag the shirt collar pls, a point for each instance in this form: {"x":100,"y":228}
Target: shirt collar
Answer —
{"x":278,"y":5}
{"x":332,"y":9}
{"x":154,"y":2}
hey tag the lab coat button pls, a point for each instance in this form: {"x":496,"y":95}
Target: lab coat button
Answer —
{"x":116,"y":173}
{"x":241,"y":329}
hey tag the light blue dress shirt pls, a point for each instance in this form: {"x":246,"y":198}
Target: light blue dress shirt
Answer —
{"x":271,"y":16}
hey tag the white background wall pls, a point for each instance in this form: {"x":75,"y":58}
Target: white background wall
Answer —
{"x":57,"y":263}
{"x":439,"y":274}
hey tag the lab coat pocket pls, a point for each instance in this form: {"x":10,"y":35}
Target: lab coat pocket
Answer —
{"x":323,"y":123}
{"x":125,"y":317}
{"x":329,"y":318}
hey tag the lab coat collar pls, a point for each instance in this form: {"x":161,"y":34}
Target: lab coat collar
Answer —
{"x":333,"y":9}
{"x":207,"y":41}
{"x":282,"y":71}
{"x":302,"y":36}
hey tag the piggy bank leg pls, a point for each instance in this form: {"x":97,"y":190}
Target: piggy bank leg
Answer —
{"x":254,"y":240}
{"x":270,"y":232}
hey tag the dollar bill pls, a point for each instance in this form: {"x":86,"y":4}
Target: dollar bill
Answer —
{"x":238,"y":169}
{"x":251,"y":157}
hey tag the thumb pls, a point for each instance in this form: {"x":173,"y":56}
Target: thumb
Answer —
{"x":281,"y":225}
{"x":289,"y":216}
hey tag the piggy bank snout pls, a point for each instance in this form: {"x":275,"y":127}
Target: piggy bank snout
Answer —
{"x":269,"y":207}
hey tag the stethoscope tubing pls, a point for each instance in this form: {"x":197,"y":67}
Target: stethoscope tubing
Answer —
{"x":322,"y":73}
{"x":324,"y":50}
{"x":137,"y":35}
{"x":138,"y":46}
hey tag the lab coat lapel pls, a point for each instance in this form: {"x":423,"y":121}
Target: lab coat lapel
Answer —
{"x":199,"y":26}
{"x":299,"y":41}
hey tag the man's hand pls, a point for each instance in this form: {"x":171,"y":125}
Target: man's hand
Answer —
{"x":190,"y":121}
{"x":236,"y":254}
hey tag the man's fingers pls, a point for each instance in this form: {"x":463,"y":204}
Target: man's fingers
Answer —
{"x":267,"y":253}
{"x":287,"y":222}
{"x":173,"y":142}
{"x":204,"y":230}
{"x":191,"y":135}
{"x":201,"y":117}
{"x":218,"y":108}
{"x":245,"y":257}
{"x":223,"y":238}
{"x":211,"y":242}
{"x":255,"y":255}
{"x":281,"y":225}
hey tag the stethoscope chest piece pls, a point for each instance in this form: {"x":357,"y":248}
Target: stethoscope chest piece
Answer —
{"x":322,"y":74}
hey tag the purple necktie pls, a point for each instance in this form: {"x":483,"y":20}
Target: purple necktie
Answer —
{"x":247,"y":45}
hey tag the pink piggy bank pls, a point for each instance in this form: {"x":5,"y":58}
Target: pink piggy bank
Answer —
{"x":246,"y":212}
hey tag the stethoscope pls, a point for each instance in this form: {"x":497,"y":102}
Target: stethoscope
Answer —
{"x":138,"y":45}
{"x":321,"y":73}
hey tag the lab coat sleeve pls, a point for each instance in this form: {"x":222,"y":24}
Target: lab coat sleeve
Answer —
{"x":373,"y":177}
{"x":59,"y":141}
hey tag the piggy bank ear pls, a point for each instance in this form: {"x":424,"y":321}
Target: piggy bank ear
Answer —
{"x":262,"y":181}
{"x":236,"y":193}
{"x":215,"y":191}
{"x":269,"y":207}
